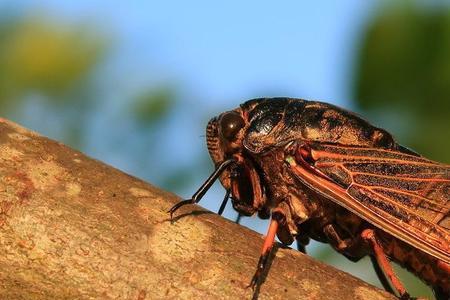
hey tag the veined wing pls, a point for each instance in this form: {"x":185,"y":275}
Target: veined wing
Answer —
{"x":403,"y":194}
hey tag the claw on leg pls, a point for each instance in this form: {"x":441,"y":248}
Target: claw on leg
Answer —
{"x":265,"y":253}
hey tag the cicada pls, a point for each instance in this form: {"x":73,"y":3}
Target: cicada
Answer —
{"x":322,"y":172}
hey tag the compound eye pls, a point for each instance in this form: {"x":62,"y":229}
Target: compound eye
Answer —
{"x":230,"y":124}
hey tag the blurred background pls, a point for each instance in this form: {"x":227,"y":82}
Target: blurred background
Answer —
{"x":134,"y":84}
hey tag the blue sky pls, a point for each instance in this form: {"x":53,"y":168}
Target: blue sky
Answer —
{"x":232,"y":50}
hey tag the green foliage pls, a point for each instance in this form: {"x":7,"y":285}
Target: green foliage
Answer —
{"x":153,"y":105}
{"x":49,"y":81}
{"x":43,"y":56}
{"x":46,"y":64}
{"x":403,"y":75}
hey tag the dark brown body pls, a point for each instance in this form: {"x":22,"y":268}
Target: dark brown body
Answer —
{"x":327,"y":174}
{"x":321,"y":212}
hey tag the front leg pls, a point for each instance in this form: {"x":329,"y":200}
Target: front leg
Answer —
{"x":265,"y":252}
{"x":284,"y":227}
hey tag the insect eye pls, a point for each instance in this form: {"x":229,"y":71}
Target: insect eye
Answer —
{"x":230,"y":124}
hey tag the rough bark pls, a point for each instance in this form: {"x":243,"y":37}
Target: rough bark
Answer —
{"x":72,"y":227}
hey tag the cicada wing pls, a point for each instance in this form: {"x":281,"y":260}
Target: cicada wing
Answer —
{"x":403,"y":194}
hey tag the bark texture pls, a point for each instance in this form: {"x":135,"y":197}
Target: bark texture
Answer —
{"x":72,"y":227}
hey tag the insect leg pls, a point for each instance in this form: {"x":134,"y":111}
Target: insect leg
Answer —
{"x":369,"y":236}
{"x":265,"y":252}
{"x":334,"y":239}
{"x":224,"y":202}
{"x":301,"y":247}
{"x":380,"y":274}
{"x":238,"y":218}
{"x":302,"y":240}
{"x":204,"y":187}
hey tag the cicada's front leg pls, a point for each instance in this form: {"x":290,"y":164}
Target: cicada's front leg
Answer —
{"x":265,"y":251}
{"x":281,"y":225}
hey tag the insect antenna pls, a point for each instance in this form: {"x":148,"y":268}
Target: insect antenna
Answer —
{"x":198,"y":195}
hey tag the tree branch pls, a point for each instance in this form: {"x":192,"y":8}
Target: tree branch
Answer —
{"x":73,"y":227}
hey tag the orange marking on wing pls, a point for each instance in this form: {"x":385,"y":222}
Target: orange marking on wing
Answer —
{"x":401,"y":178}
{"x":372,"y":187}
{"x":430,"y":244}
{"x":317,"y":154}
{"x":440,"y":216}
